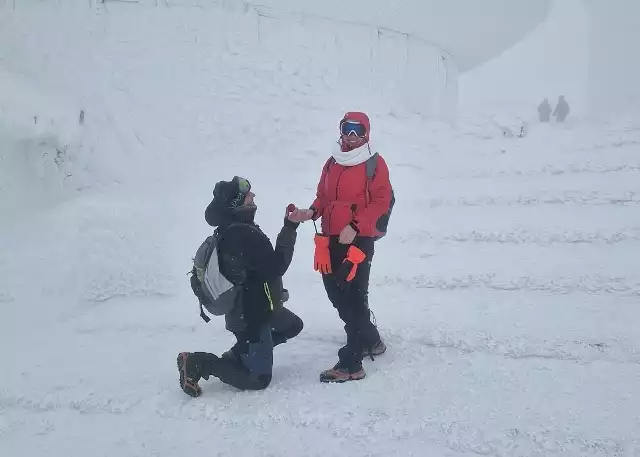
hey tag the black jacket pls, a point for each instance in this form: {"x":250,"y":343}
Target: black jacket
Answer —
{"x":248,"y":258}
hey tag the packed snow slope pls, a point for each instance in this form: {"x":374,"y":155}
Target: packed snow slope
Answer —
{"x":507,"y":288}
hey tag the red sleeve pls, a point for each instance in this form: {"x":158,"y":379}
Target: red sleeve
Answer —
{"x":380,"y":192}
{"x":320,"y":203}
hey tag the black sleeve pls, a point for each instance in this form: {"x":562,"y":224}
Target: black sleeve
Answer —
{"x":257,"y":253}
{"x":269,"y":263}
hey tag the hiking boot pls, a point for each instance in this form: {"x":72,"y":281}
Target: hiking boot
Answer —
{"x":342,"y":374}
{"x":189,"y":374}
{"x":377,"y":349}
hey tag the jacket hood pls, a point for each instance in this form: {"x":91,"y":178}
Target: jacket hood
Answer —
{"x":360,"y":117}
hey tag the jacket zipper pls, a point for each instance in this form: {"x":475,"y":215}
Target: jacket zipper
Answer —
{"x":338,"y":182}
{"x":336,"y":196}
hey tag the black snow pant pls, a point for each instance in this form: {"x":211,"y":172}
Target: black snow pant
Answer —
{"x":352,"y":302}
{"x":251,"y":368}
{"x":285,"y":325}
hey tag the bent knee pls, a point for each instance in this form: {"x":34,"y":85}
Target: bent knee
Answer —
{"x":296,"y":327}
{"x":263,"y":382}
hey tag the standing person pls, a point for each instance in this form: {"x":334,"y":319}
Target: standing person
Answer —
{"x":562,"y":109}
{"x":258,"y":318}
{"x":353,"y":203}
{"x":544,"y":111}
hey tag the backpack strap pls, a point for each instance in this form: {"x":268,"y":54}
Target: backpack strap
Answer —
{"x":330,"y":161}
{"x":218,"y":238}
{"x":370,"y":165}
{"x":204,"y":317}
{"x":220,"y":235}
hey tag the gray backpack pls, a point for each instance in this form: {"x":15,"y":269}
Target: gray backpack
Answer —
{"x":215,"y":292}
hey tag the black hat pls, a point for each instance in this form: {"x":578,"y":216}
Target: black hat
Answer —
{"x":228,"y":201}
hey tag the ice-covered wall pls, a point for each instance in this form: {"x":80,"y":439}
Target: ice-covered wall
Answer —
{"x":170,"y":82}
{"x":473,"y":31}
{"x":91,"y":49}
{"x":614,"y":55}
{"x":152,"y":77}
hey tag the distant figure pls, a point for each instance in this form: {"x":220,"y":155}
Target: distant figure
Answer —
{"x":544,"y":110}
{"x":562,"y":109}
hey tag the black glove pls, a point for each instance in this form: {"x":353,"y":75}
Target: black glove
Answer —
{"x":290,"y":224}
{"x":287,"y":223}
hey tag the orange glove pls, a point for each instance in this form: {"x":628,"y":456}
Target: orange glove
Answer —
{"x":322,"y":259}
{"x":349,"y":266}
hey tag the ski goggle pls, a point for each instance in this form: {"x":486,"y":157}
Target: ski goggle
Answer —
{"x":353,"y":128}
{"x":244,"y":186}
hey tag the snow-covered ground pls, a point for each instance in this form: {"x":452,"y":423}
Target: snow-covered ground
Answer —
{"x":507,"y":288}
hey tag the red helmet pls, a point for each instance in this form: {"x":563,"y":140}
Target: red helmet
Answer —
{"x":359,"y":117}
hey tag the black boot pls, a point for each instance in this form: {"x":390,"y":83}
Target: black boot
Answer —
{"x":190,"y":373}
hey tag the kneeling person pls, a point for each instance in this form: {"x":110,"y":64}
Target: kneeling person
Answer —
{"x":247,"y":259}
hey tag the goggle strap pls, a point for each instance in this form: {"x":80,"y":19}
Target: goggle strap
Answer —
{"x":244,"y":185}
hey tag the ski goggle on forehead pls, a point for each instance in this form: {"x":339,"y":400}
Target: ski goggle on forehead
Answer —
{"x":244,"y":186}
{"x":353,"y":128}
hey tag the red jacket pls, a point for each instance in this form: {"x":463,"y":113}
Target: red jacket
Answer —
{"x":346,"y":196}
